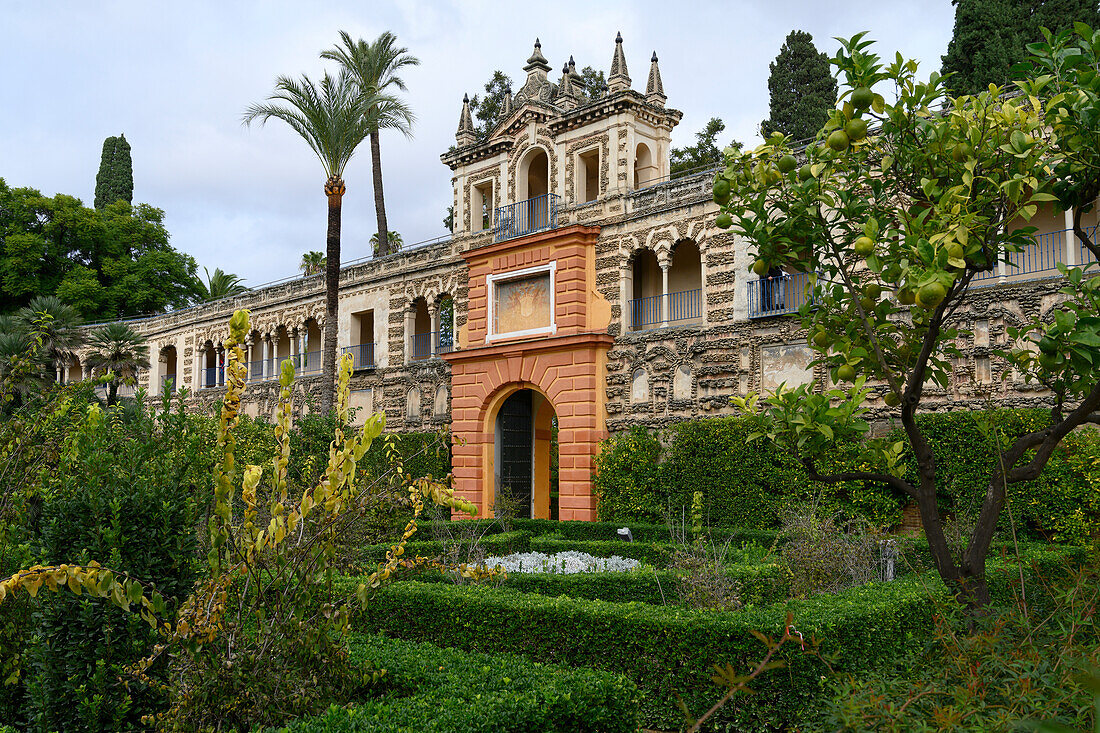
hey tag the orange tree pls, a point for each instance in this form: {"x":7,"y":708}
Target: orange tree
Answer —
{"x":894,"y":210}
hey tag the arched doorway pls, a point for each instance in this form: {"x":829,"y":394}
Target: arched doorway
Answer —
{"x":524,"y":454}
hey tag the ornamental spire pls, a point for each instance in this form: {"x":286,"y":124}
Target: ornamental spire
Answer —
{"x":537,"y":60}
{"x":506,"y":104}
{"x":466,"y":134}
{"x":654,"y":89}
{"x":618,"y":80}
{"x":566,"y":98}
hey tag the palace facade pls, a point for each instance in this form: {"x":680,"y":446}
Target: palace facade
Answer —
{"x":582,"y":288}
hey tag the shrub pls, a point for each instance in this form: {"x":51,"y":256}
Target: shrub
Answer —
{"x":431,"y":688}
{"x":827,"y":554}
{"x":114,"y":494}
{"x":625,"y":482}
{"x":1017,"y":665}
{"x":666,"y":651}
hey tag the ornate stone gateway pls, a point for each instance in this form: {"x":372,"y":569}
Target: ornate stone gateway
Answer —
{"x":534,"y":346}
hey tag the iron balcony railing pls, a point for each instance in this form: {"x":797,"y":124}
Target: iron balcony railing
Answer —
{"x":307,"y":363}
{"x":526,"y":217}
{"x":677,"y":308}
{"x":212,"y":377}
{"x":363,"y":354}
{"x":1041,"y":258}
{"x":775,"y":296}
{"x":420,"y":345}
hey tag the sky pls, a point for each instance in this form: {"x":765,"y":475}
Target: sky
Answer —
{"x":176,"y":77}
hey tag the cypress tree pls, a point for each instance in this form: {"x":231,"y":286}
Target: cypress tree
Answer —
{"x":801,"y":87}
{"x":115,"y":179}
{"x":991,"y":36}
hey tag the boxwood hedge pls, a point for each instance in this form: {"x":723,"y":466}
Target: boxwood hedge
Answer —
{"x":666,"y":650}
{"x":428,"y":688}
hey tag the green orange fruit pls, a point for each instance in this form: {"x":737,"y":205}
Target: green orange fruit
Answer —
{"x":856,"y":129}
{"x":787,"y":163}
{"x":906,"y":296}
{"x":931,"y":295}
{"x":891,"y":399}
{"x":724,"y":221}
{"x":805,"y":173}
{"x":838,"y":141}
{"x":1047,"y":345}
{"x":760,"y":267}
{"x":862,"y":98}
{"x":721,"y":191}
{"x":872,"y":290}
{"x":821,"y":339}
{"x":864,"y":246}
{"x":846,"y":373}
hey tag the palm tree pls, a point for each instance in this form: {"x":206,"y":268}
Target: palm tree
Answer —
{"x":119,"y":349}
{"x":219,"y":285}
{"x":394,"y":240}
{"x":330,"y":116}
{"x":313,"y":263}
{"x":375,"y":67}
{"x":58,"y":325}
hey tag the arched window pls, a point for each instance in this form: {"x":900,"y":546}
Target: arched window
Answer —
{"x":412,"y":404}
{"x":685,"y":285}
{"x":168,"y":379}
{"x":646,"y":303}
{"x":639,"y":386}
{"x":418,"y":326}
{"x":645,"y":166}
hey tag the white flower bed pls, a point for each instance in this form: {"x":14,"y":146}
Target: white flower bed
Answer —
{"x":561,"y":562}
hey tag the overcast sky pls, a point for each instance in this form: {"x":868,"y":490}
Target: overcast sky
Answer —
{"x":175,"y":77}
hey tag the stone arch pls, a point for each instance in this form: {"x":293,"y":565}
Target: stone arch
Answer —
{"x":168,"y":370}
{"x":681,"y":382}
{"x":645,"y":165}
{"x":442,"y":403}
{"x":542,"y":416}
{"x":639,"y":386}
{"x":412,"y":404}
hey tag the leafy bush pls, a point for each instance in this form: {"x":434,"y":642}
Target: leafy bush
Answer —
{"x":431,"y":688}
{"x":115,"y":494}
{"x":666,"y":651}
{"x":827,"y":554}
{"x":1020,"y":664}
{"x":748,"y":484}
{"x":625,"y":483}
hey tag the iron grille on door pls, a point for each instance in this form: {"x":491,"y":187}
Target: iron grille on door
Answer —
{"x":516,"y":434}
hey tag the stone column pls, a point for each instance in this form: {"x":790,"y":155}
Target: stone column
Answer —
{"x":665,"y":266}
{"x":296,"y":347}
{"x":434,"y":337}
{"x":267,"y":356}
{"x":60,"y":378}
{"x":1071,"y":241}
{"x":221,"y":365}
{"x":248,"y":368}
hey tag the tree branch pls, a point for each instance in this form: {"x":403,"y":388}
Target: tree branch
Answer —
{"x":836,"y":478}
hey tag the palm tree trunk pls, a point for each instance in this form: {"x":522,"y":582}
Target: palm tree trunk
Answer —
{"x":379,"y":197}
{"x":112,"y":393}
{"x":334,"y":189}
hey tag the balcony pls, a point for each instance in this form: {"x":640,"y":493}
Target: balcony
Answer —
{"x":429,"y":344}
{"x":671,"y":309}
{"x":1040,"y":259}
{"x":776,"y":296}
{"x":362,"y":354}
{"x":526,"y":217}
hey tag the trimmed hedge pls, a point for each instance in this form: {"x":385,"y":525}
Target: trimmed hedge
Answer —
{"x":667,"y":651}
{"x":503,"y":543}
{"x":748,"y":484}
{"x":428,"y":688}
{"x":607,"y":531}
{"x":760,"y":584}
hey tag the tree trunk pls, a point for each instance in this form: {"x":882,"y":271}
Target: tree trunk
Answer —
{"x":379,"y":197}
{"x":334,"y":189}
{"x":112,"y":393}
